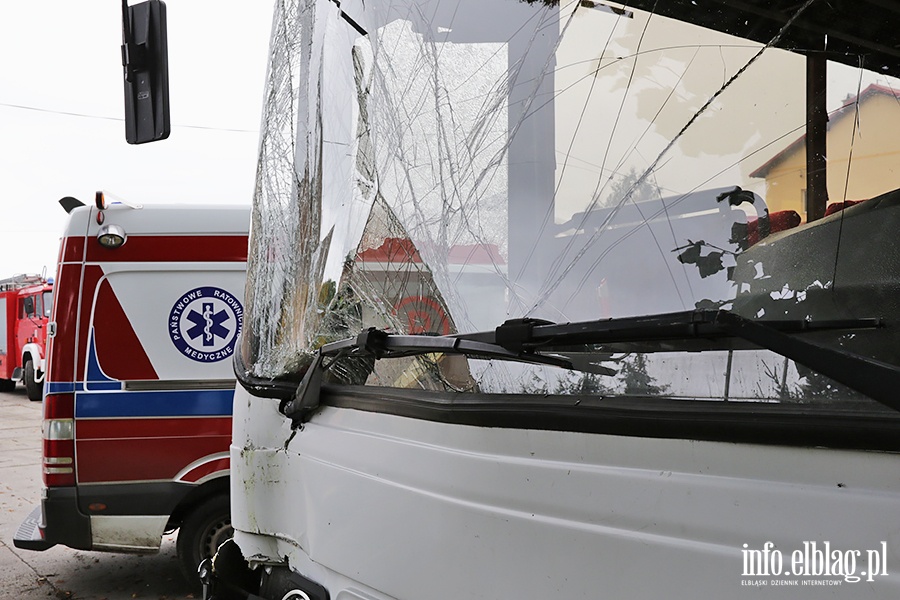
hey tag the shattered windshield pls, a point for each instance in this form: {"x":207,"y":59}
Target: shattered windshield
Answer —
{"x":442,"y":166}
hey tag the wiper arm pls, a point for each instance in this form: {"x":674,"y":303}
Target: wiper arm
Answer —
{"x":521,"y":339}
{"x":874,"y":378}
{"x":378,"y":344}
{"x":676,"y":331}
{"x":698,"y":329}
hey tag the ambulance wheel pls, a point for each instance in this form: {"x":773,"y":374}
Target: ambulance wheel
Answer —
{"x":7,"y":385}
{"x":205,"y":529}
{"x":34,"y":390}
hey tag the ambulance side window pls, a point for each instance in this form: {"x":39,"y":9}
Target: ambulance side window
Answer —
{"x":188,"y":330}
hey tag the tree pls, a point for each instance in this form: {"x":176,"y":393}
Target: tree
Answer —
{"x":634,"y":186}
{"x":638,"y":382}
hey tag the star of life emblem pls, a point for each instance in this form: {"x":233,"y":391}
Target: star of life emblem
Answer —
{"x":204,"y":324}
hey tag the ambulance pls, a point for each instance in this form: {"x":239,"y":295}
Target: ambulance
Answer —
{"x":139,"y":385}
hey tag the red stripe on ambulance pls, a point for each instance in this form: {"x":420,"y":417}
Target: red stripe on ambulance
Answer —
{"x":173,"y":248}
{"x":157,"y":449}
{"x":90,"y":279}
{"x":72,"y":249}
{"x":123,"y":355}
{"x":65,"y":310}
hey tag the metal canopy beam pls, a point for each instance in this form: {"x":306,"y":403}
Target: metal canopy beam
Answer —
{"x":859,"y":31}
{"x":816,"y":129}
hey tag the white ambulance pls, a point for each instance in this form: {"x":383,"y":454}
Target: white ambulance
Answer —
{"x":139,"y":386}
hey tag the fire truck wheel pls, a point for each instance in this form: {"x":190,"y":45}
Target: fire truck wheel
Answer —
{"x":7,"y":385}
{"x":201,"y":534}
{"x":34,"y":390}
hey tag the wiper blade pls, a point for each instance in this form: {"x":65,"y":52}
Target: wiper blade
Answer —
{"x":521,"y":339}
{"x":699,"y":330}
{"x":676,"y":331}
{"x":379,"y":344}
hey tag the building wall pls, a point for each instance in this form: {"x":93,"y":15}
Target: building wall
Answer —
{"x":875,"y":158}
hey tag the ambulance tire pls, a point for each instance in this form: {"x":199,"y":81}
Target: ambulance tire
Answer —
{"x":205,"y":529}
{"x":34,"y":390}
{"x":7,"y":385}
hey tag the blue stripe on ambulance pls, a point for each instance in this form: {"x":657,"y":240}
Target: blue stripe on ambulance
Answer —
{"x":96,"y":378}
{"x":180,"y":403}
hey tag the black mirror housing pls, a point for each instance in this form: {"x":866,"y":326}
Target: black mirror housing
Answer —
{"x":145,"y":59}
{"x":28,"y":306}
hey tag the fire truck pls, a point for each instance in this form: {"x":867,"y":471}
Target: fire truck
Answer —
{"x":25,"y":302}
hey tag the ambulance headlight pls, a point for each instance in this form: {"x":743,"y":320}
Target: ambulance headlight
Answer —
{"x":111,"y":236}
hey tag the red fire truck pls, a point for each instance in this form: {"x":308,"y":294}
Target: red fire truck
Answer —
{"x":25,"y":302}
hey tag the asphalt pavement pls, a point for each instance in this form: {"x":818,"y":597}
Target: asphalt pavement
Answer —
{"x":61,"y":572}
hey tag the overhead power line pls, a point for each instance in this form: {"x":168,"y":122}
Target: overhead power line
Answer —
{"x":120,"y":119}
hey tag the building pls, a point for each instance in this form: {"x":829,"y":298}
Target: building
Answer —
{"x":866,"y":130}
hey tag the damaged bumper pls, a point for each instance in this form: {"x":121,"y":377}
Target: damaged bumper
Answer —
{"x":227,"y":576}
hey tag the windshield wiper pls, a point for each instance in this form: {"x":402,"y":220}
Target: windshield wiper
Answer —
{"x":676,"y":331}
{"x":378,"y":344}
{"x":703,"y":329}
{"x":543,"y":342}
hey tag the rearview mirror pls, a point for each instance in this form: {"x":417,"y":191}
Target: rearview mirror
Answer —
{"x":146,"y":62}
{"x":28,"y":306}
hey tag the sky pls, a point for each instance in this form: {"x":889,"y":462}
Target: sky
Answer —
{"x":61,"y":114}
{"x":62,"y":131}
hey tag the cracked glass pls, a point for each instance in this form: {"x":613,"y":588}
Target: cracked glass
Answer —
{"x":440,"y":166}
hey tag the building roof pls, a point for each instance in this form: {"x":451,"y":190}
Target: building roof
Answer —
{"x":848,"y":108}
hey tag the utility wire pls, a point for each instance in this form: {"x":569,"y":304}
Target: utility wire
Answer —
{"x":120,"y":119}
